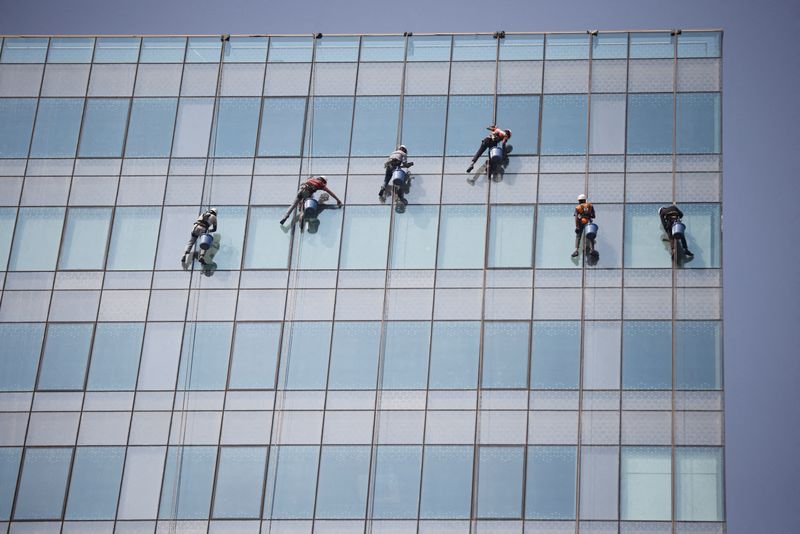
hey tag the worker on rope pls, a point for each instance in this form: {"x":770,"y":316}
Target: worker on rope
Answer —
{"x":671,"y":222}
{"x":205,"y":224}
{"x":584,"y":214}
{"x":495,"y":136}
{"x":397,"y":160}
{"x":307,"y":189}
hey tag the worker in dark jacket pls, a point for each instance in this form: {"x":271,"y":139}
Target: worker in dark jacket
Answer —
{"x":397,"y":159}
{"x":496,"y":135}
{"x":584,"y":214}
{"x":307,"y":189}
{"x":206,"y":223}
{"x":670,"y":215}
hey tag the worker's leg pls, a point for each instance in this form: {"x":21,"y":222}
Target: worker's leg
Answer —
{"x":485,"y":143}
{"x":578,"y":232}
{"x":289,"y":212}
{"x":686,"y":250}
{"x":196,"y":231}
{"x":387,"y":176}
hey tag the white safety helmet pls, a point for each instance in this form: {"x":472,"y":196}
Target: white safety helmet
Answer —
{"x":213,"y":210}
{"x":581,"y":198}
{"x":403,"y":148}
{"x":324,"y":179}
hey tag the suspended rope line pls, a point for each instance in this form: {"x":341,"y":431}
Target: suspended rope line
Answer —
{"x":674,"y":269}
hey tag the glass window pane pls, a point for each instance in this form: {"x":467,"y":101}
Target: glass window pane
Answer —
{"x":24,"y":50}
{"x":699,"y":123}
{"x":414,"y":238}
{"x":454,"y":355}
{"x":462,"y":237}
{"x":84,"y":243}
{"x":204,"y":358}
{"x":354,"y":355}
{"x":446,"y":482}
{"x":104,"y":127}
{"x":396,"y":483}
{"x":567,"y":46}
{"x":336,"y":49}
{"x":237,"y":126}
{"x":511,"y":236}
{"x":555,"y":236}
{"x":564,"y":124}
{"x":255,"y":354}
{"x":647,"y":355}
{"x":610,"y":46}
{"x":133,"y":239}
{"x":599,"y":472}
{"x":703,"y":234}
{"x":375,"y":126}
{"x":319,"y":250}
{"x":646,"y":485}
{"x":163,"y":49}
{"x":231,"y":225}
{"x":700,"y":44}
{"x":332,"y":115}
{"x":66,"y":352}
{"x":9,"y":468}
{"x":474,"y":48}
{"x":500,"y":482}
{"x":281,"y":126}
{"x":652,"y":45}
{"x":555,"y":354}
{"x":650,"y":123}
{"x":601,"y":354}
{"x":520,"y":114}
{"x":467,"y":120}
{"x":267,"y":244}
{"x":43,"y":483}
{"x":187,"y":496}
{"x":70,"y":50}
{"x":7,"y":218}
{"x":365,"y":237}
{"x":343,"y":476}
{"x":283,"y":49}
{"x":607,"y":131}
{"x":115,"y":356}
{"x":304,"y":364}
{"x":550,"y":491}
{"x":698,"y":355}
{"x":151,"y":126}
{"x":423,"y":124}
{"x":141,"y":482}
{"x":522,"y":47}
{"x":429,"y":48}
{"x":57,"y":124}
{"x":16,"y":125}
{"x":240,"y":481}
{"x":505,"y":355}
{"x":405,"y":364}
{"x":94,"y":488}
{"x":698,"y":484}
{"x":245,"y":50}
{"x":36,"y":239}
{"x":193,"y":127}
{"x":19,"y":355}
{"x":382,"y":48}
{"x":291,"y":482}
{"x":116,"y":50}
{"x":643,"y":234}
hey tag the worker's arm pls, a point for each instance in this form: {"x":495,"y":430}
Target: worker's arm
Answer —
{"x":212,"y":224}
{"x":331,"y":193}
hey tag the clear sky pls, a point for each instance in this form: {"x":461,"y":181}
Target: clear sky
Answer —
{"x":761,"y":192}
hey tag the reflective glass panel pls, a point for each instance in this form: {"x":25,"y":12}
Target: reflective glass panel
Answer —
{"x":204,"y":357}
{"x":85,"y":238}
{"x":698,"y":484}
{"x":474,"y":48}
{"x":396,"y":482}
{"x":281,"y":126}
{"x":93,"y":490}
{"x":291,"y":482}
{"x":423,"y":124}
{"x":607,"y":125}
{"x":7,"y":218}
{"x":267,"y":244}
{"x":163,"y":49}
{"x":405,"y":356}
{"x":337,"y":49}
{"x":520,"y":114}
{"x":332,"y":115}
{"x":192,"y":127}
{"x":567,"y":46}
{"x":237,"y":125}
{"x":699,"y":129}
{"x":240,"y":481}
{"x":555,"y":236}
{"x":467,"y":120}
{"x":16,"y":125}
{"x":375,"y":126}
{"x":343,"y":476}
{"x":255,"y":354}
{"x":643,"y":237}
{"x":43,"y":483}
{"x":9,"y":468}
{"x":115,"y":356}
{"x":652,"y":45}
{"x":551,"y":474}
{"x":245,"y":50}
{"x":454,"y":355}
{"x":646,"y":484}
{"x":555,"y":354}
{"x":698,"y":355}
{"x":66,"y":352}
{"x":700,"y":44}
{"x":650,"y":123}
{"x":429,"y":48}
{"x":703,"y":234}
{"x":599,"y":471}
{"x":103,"y":129}
{"x":500,"y":482}
{"x":36,"y":239}
{"x":188,"y":478}
{"x":414,"y":238}
{"x":564,"y":124}
{"x":446,"y":482}
{"x":304,"y":364}
{"x":461,"y":237}
{"x":151,"y":125}
{"x":133,"y":239}
{"x":287,"y":49}
{"x":116,"y":50}
{"x":70,"y":50}
{"x":365,"y":237}
{"x":511,"y":236}
{"x":522,"y":47}
{"x":319,"y":250}
{"x":647,"y":355}
{"x":382,"y":48}
{"x":57,"y":124}
{"x":354,"y":355}
{"x":610,"y":46}
{"x":19,"y":355}
{"x":505,"y":355}
{"x":24,"y":50}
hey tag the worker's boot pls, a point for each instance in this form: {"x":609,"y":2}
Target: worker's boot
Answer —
{"x":471,"y":166}
{"x":382,"y":194}
{"x":577,"y":245}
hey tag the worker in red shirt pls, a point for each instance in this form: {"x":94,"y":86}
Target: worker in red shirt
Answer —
{"x":496,"y":135}
{"x":307,"y":189}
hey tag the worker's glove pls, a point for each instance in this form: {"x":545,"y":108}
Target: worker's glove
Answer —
{"x":339,"y":203}
{"x":410,"y":164}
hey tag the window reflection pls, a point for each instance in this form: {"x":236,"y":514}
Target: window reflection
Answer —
{"x":57,"y":124}
{"x":454,"y":355}
{"x":16,"y":125}
{"x":555,"y":354}
{"x":36,"y":239}
{"x":564,"y":124}
{"x":151,"y":125}
{"x":281,"y":126}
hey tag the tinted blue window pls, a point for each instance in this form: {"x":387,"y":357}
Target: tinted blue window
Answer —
{"x":245,"y":50}
{"x":332,"y":116}
{"x":650,"y":123}
{"x":36,"y":239}
{"x":16,"y":125}
{"x":240,"y":482}
{"x":115,"y":356}
{"x":511,"y":236}
{"x":505,"y":355}
{"x":474,"y":48}
{"x":255,"y":353}
{"x":70,"y":50}
{"x":446,"y":482}
{"x":647,"y":355}
{"x":281,"y":126}
{"x":700,"y":44}
{"x":610,"y":46}
{"x":103,"y":127}
{"x":382,"y":48}
{"x":151,"y":125}
{"x":163,"y":49}
{"x":462,"y":235}
{"x":466,"y":123}
{"x":564,"y":124}
{"x":204,"y":358}
{"x":424,"y":124}
{"x":133,"y":238}
{"x":405,"y":364}
{"x":57,"y":125}
{"x":699,"y":491}
{"x":550,"y":492}
{"x":337,"y":49}
{"x":237,"y":125}
{"x":24,"y":50}
{"x":500,"y":482}
{"x":291,"y":482}
{"x":354,"y":355}
{"x":520,"y":114}
{"x":699,"y":127}
{"x":555,"y":355}
{"x":66,"y":351}
{"x":523,"y":47}
{"x":652,"y":45}
{"x":93,"y":491}
{"x":375,"y":126}
{"x":9,"y":468}
{"x":116,"y":50}
{"x":343,"y":476}
{"x":698,"y":355}
{"x":454,"y":355}
{"x":567,"y":46}
{"x":43,"y":483}
{"x":287,"y":49}
{"x":396,"y":483}
{"x":703,"y":234}
{"x":429,"y":48}
{"x":305,"y":366}
{"x":191,"y":498}
{"x":19,"y":355}
{"x":85,"y":238}
{"x":7,"y":218}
